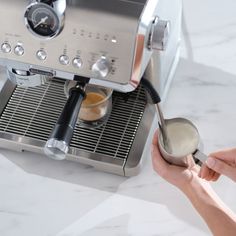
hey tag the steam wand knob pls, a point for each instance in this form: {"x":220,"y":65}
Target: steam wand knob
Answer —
{"x":159,"y":36}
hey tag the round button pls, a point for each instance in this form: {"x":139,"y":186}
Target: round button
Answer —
{"x":41,"y":55}
{"x":101,"y":68}
{"x":64,"y":59}
{"x":77,"y":62}
{"x":6,"y":47}
{"x":19,"y":50}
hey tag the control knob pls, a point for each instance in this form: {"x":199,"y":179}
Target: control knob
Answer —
{"x":6,"y":48}
{"x":101,"y":68}
{"x":159,"y":36}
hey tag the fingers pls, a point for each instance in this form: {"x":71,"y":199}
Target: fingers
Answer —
{"x":225,"y":162}
{"x":155,"y":138}
{"x":159,"y":164}
{"x":179,"y":176}
{"x":228,"y":155}
{"x":221,"y":167}
{"x":204,"y":172}
{"x":208,"y":174}
{"x":215,"y":177}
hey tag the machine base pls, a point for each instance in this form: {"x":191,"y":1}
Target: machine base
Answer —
{"x":29,"y":114}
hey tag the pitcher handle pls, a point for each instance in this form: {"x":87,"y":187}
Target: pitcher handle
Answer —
{"x":199,"y":157}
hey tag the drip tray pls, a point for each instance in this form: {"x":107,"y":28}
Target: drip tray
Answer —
{"x":29,"y":115}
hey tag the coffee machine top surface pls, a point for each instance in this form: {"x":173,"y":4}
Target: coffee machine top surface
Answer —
{"x":105,"y":40}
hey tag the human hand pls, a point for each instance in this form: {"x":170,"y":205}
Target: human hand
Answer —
{"x":221,"y":162}
{"x":181,"y":177}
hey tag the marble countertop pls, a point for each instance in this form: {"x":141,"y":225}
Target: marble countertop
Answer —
{"x":42,"y":197}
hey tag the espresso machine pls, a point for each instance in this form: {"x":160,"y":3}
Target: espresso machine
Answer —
{"x":109,"y":43}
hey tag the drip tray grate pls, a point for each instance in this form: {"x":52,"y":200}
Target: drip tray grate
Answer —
{"x":33,"y":112}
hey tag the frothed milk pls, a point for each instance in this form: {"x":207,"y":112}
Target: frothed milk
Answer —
{"x":183,"y":138}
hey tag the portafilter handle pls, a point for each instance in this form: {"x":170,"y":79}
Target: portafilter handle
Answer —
{"x":58,"y":143}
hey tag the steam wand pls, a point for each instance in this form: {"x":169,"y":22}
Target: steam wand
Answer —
{"x":156,"y":100}
{"x":58,"y":143}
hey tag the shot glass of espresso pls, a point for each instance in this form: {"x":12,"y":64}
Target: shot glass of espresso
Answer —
{"x":96,"y":107}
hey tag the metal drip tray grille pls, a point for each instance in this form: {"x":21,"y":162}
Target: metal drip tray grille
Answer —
{"x":33,"y":112}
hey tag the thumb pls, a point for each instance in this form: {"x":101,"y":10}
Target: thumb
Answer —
{"x":221,"y":167}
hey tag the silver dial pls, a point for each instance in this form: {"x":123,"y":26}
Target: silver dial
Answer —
{"x":101,"y":68}
{"x":6,"y":48}
{"x":159,"y":34}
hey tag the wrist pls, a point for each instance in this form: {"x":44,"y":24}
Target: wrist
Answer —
{"x":210,"y":207}
{"x":195,"y":187}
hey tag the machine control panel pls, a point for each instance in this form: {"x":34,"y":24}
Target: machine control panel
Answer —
{"x":86,"y":38}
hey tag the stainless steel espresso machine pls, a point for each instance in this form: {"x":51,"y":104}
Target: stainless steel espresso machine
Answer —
{"x":110,"y":43}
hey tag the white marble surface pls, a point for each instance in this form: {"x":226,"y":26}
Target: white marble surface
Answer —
{"x":42,"y":197}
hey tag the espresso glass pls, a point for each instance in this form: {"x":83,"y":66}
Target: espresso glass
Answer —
{"x":96,"y":107}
